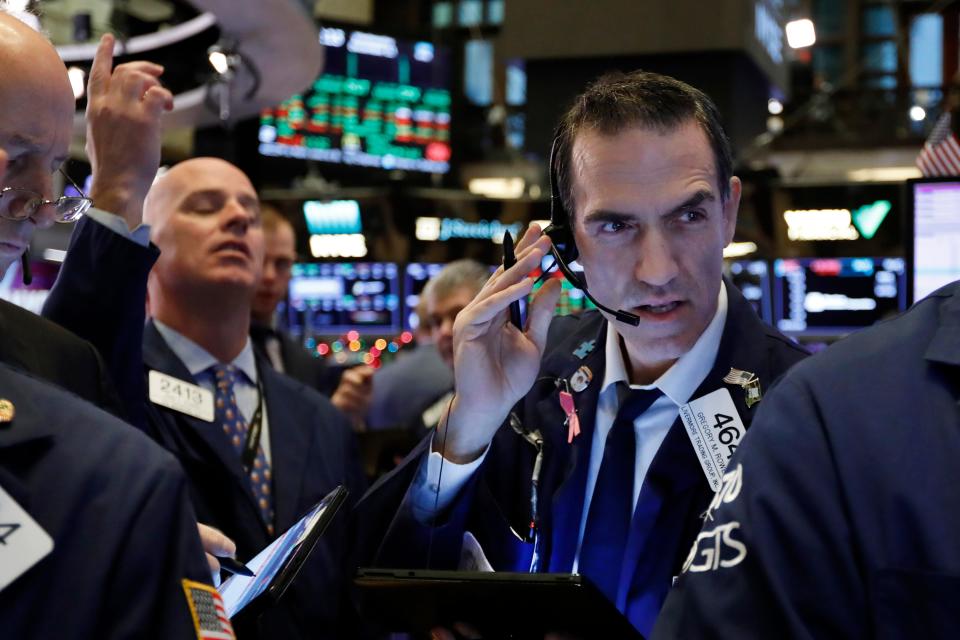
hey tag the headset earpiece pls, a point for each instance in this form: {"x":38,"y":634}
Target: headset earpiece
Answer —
{"x":560,"y":230}
{"x":564,"y":248}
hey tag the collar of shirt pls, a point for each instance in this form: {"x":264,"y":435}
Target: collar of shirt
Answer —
{"x":679,"y":381}
{"x":198,"y":360}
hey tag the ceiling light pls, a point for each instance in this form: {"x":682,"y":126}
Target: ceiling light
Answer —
{"x":800,"y":33}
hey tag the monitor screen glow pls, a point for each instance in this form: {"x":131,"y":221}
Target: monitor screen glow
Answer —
{"x":936,"y":236}
{"x":835,"y":296}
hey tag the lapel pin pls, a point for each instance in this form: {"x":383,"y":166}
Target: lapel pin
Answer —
{"x":7,"y":411}
{"x":571,"y":420}
{"x":747,"y":381}
{"x":581,"y":378}
{"x":585,"y":348}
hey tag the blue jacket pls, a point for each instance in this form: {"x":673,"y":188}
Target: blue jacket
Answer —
{"x":117,"y":509}
{"x":497,"y":499}
{"x":844,"y":521}
{"x":312,"y":446}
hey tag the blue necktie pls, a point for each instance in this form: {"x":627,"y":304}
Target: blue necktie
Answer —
{"x":235,"y":428}
{"x":611,"y":508}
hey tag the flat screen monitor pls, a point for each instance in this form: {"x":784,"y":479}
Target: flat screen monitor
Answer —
{"x":933,"y":236}
{"x":333,"y":298}
{"x":380,"y":102}
{"x":752,"y":277}
{"x":415,"y":279}
{"x":834,"y":296}
{"x":332,"y":217}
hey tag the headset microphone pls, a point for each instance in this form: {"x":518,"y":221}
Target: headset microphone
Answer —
{"x":25,"y":267}
{"x":564,"y":248}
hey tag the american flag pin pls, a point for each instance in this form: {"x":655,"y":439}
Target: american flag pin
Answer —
{"x":210,"y":619}
{"x":749,"y":382}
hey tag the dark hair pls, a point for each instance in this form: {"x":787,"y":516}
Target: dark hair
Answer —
{"x":617,"y":101}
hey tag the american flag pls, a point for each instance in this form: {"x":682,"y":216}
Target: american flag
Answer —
{"x":940,"y":155}
{"x":209,"y":616}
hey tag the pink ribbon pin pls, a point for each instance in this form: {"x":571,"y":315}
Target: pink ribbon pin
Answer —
{"x":573,"y":421}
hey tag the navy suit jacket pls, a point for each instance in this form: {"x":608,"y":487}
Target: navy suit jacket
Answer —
{"x":117,"y":509}
{"x":496,"y":502}
{"x":100,"y":296}
{"x":312,"y":449}
{"x":848,"y":506}
{"x":43,"y":349}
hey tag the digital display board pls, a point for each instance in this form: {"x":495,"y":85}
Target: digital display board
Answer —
{"x":335,"y":298}
{"x":752,"y":278}
{"x":415,"y":279}
{"x":380,"y":102}
{"x":834,"y":296}
{"x":934,"y":255}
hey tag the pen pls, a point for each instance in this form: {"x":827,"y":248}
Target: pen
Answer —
{"x":235,"y":566}
{"x":509,"y":259}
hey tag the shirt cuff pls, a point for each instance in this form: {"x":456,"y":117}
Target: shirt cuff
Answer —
{"x":432,"y":492}
{"x":140,"y":235}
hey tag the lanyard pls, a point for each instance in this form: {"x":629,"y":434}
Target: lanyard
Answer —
{"x":252,"y":444}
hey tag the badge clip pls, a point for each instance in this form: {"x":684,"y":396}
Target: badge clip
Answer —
{"x":749,"y":382}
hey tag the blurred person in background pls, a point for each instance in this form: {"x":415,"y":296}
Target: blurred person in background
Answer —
{"x":352,"y":392}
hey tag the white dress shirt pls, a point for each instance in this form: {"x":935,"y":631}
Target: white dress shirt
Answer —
{"x":432,"y":493}
{"x":198,"y":362}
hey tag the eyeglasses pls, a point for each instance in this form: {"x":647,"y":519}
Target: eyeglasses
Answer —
{"x":19,"y":204}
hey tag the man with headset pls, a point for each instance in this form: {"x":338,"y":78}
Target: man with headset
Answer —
{"x":631,"y":411}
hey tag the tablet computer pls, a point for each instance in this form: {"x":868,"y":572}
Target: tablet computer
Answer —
{"x":501,"y":605}
{"x":277,"y":565}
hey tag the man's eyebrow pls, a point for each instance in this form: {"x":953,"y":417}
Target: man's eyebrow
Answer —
{"x":22,"y":142}
{"x":704,"y":195}
{"x":203,"y":193}
{"x":606,"y":215}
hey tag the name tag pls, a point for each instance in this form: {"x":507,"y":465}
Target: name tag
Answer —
{"x":715,"y":429}
{"x":174,"y":393}
{"x":23,"y":542}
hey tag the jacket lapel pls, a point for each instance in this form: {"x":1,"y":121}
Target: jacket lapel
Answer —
{"x":669,"y":501}
{"x":291,"y":438}
{"x":202,"y":442}
{"x":567,"y":505}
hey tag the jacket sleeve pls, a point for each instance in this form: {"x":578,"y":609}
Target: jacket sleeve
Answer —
{"x":146,"y":597}
{"x":775,"y":556}
{"x":100,"y":296}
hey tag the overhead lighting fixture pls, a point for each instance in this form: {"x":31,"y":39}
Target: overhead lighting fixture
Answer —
{"x":884,"y":174}
{"x":227,"y":61}
{"x":219,"y":61}
{"x":502,"y":188}
{"x":800,"y":33}
{"x":325,"y":245}
{"x":739,"y":249}
{"x":917,"y":113}
{"x":774,"y":106}
{"x":78,"y":81}
{"x":428,"y":229}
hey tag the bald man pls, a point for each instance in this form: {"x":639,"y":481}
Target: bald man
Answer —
{"x":259,"y":448}
{"x":95,"y":523}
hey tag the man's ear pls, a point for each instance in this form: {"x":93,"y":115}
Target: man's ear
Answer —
{"x":730,"y":208}
{"x":3,"y":165}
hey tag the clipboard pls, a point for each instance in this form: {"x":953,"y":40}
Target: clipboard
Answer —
{"x":500,"y":605}
{"x":277,"y":565}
